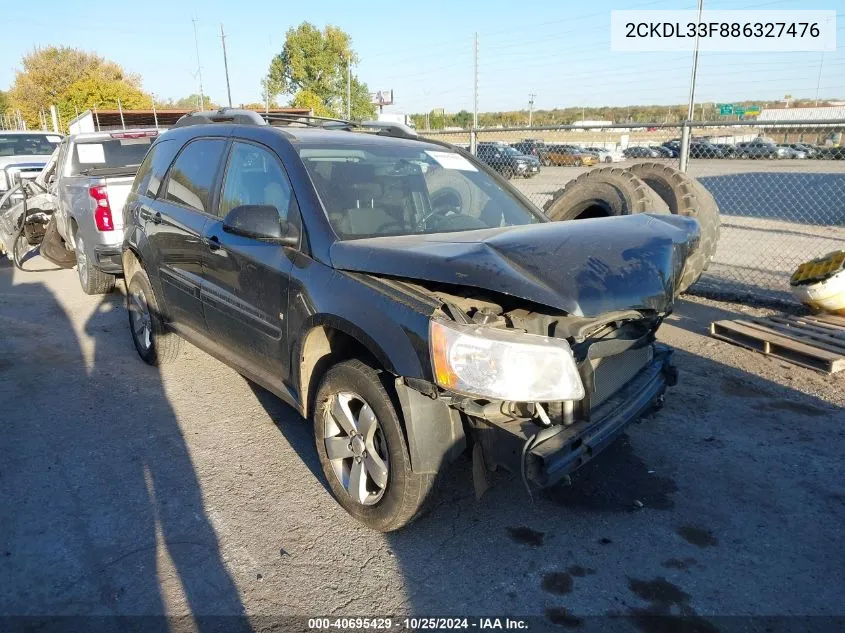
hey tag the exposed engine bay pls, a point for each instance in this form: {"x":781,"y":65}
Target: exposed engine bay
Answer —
{"x":621,"y":366}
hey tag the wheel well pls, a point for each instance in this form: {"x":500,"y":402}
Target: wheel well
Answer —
{"x":131,"y":264}
{"x":323,"y":347}
{"x":74,"y":229}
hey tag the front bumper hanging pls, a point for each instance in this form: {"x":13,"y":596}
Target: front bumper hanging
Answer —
{"x":545,"y":456}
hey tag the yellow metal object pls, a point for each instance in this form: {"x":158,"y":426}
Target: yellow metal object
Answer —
{"x":819,"y":269}
{"x":820,"y":283}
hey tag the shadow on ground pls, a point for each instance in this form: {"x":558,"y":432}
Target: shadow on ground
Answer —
{"x":102,"y":513}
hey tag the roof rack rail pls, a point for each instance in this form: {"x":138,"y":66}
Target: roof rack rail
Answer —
{"x":386,"y":128}
{"x":305,"y":119}
{"x":223,"y":115}
{"x":250,"y":117}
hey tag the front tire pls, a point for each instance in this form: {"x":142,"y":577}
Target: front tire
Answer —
{"x":155,"y":344}
{"x":93,"y":280}
{"x":362,"y":449}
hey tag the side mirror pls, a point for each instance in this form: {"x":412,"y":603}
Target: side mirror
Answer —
{"x":260,"y":222}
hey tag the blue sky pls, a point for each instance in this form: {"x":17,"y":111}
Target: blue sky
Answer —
{"x":559,"y":50}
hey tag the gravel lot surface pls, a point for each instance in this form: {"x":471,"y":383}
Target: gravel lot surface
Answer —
{"x":129,"y":490}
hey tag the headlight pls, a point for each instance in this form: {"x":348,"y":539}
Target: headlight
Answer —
{"x":503,"y":364}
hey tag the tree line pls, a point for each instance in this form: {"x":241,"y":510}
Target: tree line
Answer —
{"x":311,"y":71}
{"x":439,"y":120}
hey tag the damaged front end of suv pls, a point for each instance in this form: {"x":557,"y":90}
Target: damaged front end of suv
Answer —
{"x":542,"y":343}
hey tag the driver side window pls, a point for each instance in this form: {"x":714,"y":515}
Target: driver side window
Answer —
{"x":255,"y":176}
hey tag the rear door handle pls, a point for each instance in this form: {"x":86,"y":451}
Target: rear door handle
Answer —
{"x":156,"y":218}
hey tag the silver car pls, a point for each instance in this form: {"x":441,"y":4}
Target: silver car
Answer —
{"x":93,"y":179}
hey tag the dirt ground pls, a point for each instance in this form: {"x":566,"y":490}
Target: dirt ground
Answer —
{"x":125,"y":490}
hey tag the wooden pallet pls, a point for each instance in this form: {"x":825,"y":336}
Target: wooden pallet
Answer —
{"x":817,"y":341}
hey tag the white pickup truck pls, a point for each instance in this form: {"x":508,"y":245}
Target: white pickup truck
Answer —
{"x":22,"y":156}
{"x":93,"y":178}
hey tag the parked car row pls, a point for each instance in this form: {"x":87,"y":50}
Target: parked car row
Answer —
{"x":401,"y":297}
{"x":758,"y":148}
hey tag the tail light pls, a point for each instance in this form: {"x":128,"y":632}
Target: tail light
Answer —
{"x":102,"y":214}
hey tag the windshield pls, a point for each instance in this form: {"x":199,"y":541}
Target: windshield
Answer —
{"x":92,"y":156}
{"x":28,"y":144}
{"x":372,"y":191}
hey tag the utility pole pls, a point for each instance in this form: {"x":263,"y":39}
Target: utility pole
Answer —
{"x":199,"y":65}
{"x":685,"y":132}
{"x":349,"y":88}
{"x":531,"y":96}
{"x":226,"y":64}
{"x":473,"y":137}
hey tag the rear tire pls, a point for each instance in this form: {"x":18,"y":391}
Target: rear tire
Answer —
{"x":352,"y":396}
{"x":93,"y":280}
{"x":603,"y":192}
{"x":507,"y":173}
{"x":156,"y":345}
{"x":685,"y":196}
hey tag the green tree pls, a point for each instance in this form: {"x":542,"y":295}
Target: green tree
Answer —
{"x":192,"y":102}
{"x":312,"y":69}
{"x":4,"y":101}
{"x":70,"y":79}
{"x":462,"y":119}
{"x":91,"y":92}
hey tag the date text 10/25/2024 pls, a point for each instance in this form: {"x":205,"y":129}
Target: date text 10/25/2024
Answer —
{"x":417,"y":624}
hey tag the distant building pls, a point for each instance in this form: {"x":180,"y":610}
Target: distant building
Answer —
{"x":95,"y":120}
{"x":821,"y":114}
{"x":593,"y":126}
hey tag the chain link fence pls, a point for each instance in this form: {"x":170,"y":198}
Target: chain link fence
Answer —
{"x":780,"y":187}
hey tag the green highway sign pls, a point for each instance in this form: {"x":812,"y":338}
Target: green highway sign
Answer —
{"x":752,"y":110}
{"x":739,"y":110}
{"x":726,"y":108}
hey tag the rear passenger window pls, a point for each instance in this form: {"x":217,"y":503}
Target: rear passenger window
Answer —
{"x":152,"y":170}
{"x":192,"y":175}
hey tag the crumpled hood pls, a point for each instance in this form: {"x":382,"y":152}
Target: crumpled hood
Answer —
{"x":585,"y":268}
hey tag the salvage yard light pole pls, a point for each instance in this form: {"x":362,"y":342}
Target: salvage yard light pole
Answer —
{"x":531,"y":96}
{"x":473,"y":135}
{"x":685,"y":131}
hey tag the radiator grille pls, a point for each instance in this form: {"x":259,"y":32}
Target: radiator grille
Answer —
{"x":614,"y":372}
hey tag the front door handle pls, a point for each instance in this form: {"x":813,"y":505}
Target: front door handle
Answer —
{"x":157,"y":218}
{"x":213,"y":243}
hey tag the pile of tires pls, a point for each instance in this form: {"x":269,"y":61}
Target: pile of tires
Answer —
{"x":643,"y":188}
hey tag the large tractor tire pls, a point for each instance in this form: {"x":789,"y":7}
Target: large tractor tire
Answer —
{"x":604,"y":192}
{"x":685,"y":196}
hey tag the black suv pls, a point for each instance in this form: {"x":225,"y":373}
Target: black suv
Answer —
{"x":508,"y":161}
{"x":401,"y":296}
{"x":534,"y":147}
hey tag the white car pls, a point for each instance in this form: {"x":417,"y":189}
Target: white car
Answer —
{"x":606,"y":155}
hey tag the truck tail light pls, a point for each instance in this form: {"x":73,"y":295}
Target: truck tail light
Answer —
{"x":102,"y":213}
